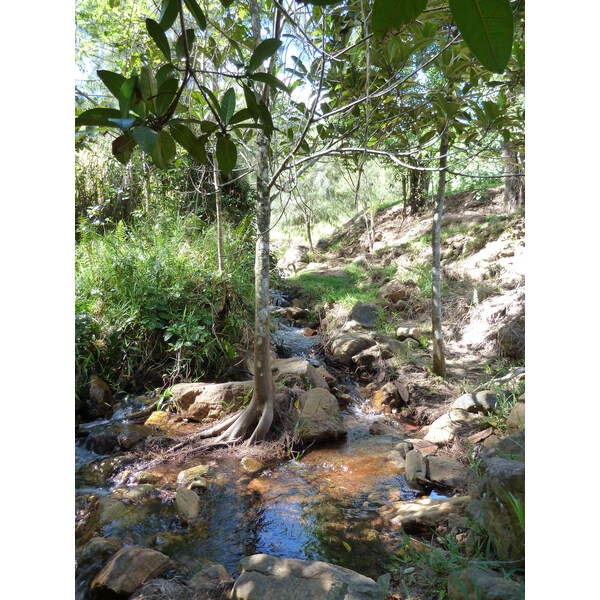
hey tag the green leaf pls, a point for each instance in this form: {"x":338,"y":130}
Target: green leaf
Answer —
{"x":163,"y":73}
{"x":390,"y":15}
{"x":208,"y":126}
{"x":179,"y":45}
{"x":159,"y":37}
{"x":168,"y":13}
{"x":197,"y":13}
{"x":97,"y":117}
{"x":185,"y":137}
{"x":270,"y":80}
{"x":265,"y":117}
{"x":251,"y":102}
{"x":347,"y":546}
{"x":123,"y":124}
{"x":164,"y":150}
{"x":240,"y":115}
{"x":122,"y":148}
{"x":228,"y":105}
{"x":322,"y":2}
{"x":166,"y":95}
{"x":127,"y":95}
{"x":212,"y":99}
{"x":487,"y":28}
{"x":226,"y":154}
{"x":113,"y":81}
{"x":264,"y":50}
{"x":148,"y":87}
{"x":427,"y":136}
{"x":227,"y":3}
{"x":145,"y":137}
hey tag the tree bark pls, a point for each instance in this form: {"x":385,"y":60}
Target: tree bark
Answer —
{"x":512,"y":184}
{"x":439,"y":359}
{"x":219,"y":217}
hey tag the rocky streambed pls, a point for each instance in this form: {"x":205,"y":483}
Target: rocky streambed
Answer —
{"x":154,"y":524}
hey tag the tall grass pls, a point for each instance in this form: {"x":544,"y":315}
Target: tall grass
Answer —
{"x":150,"y":306}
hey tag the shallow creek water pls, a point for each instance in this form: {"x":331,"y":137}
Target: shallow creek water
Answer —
{"x":325,"y":504}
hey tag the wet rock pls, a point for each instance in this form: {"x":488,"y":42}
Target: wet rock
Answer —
{"x":475,"y":584}
{"x":380,"y":428}
{"x":396,"y":459}
{"x":251,"y":465}
{"x":516,"y":419}
{"x":87,"y":517}
{"x":503,"y":499}
{"x":349,"y":344}
{"x":112,"y":509}
{"x":370,"y":356}
{"x":98,"y":550}
{"x":453,"y":423}
{"x":365,"y":315}
{"x":130,"y":435}
{"x":320,"y":418}
{"x":207,"y":402}
{"x":424,"y":513}
{"x":293,"y":313}
{"x":416,"y":471}
{"x":100,"y":402}
{"x":210,"y":580}
{"x":297,"y":371}
{"x":187,"y":505}
{"x":135,"y":493}
{"x":483,"y":402}
{"x":405,"y":333}
{"x":327,"y":376}
{"x":128,"y":570}
{"x":446,"y":472}
{"x":150,"y":477}
{"x":186,"y":477}
{"x":387,"y":397}
{"x":102,"y":441}
{"x":158,"y":418}
{"x":263,"y":576}
{"x":403,"y":448}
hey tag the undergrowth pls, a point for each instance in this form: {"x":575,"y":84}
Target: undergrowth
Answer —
{"x":150,"y":306}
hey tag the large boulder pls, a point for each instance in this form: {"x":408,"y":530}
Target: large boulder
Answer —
{"x":206,"y":402}
{"x":187,"y":505}
{"x":349,"y":344}
{"x":453,"y":423}
{"x":446,"y":472}
{"x":263,"y":576}
{"x":424,"y":513}
{"x":128,"y":570}
{"x":364,"y":315}
{"x":503,"y":506}
{"x":474,"y":584}
{"x":483,"y":402}
{"x":192,"y":475}
{"x":320,"y":418}
{"x":516,"y":419}
{"x":416,"y":470}
{"x":214,"y":577}
{"x":394,"y":291}
{"x":294,"y":258}
{"x":297,"y":371}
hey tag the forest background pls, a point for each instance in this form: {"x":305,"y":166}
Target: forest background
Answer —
{"x":37,"y":249}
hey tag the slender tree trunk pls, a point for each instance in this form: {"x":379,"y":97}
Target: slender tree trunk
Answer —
{"x":403,"y":197}
{"x":439,"y":359}
{"x":308,"y":232}
{"x":512,"y":185}
{"x":219,"y":216}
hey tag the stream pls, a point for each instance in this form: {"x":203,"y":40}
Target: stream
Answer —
{"x":322,"y":505}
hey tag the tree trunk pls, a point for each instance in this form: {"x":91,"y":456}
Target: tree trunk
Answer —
{"x":147,"y":185}
{"x":308,"y":232}
{"x":439,"y":359}
{"x":219,"y":216}
{"x":419,"y":184}
{"x":512,"y":184}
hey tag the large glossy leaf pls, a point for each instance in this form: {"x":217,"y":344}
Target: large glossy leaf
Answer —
{"x":127,"y":95}
{"x":212,"y":99}
{"x":145,"y":137}
{"x":264,"y":50}
{"x":163,"y":73}
{"x":148,"y":87}
{"x":159,"y":37}
{"x":164,"y":150}
{"x":185,"y":137}
{"x":197,"y":13}
{"x":122,"y":148}
{"x":392,"y":14}
{"x":168,"y":13}
{"x":208,"y":126}
{"x":226,"y":154}
{"x":265,"y":117}
{"x":113,"y":81}
{"x":251,"y":102}
{"x":97,"y":117}
{"x":271,"y":80}
{"x":487,"y":28}
{"x":166,"y":95}
{"x":179,"y":45}
{"x":240,"y":115}
{"x":228,"y":105}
